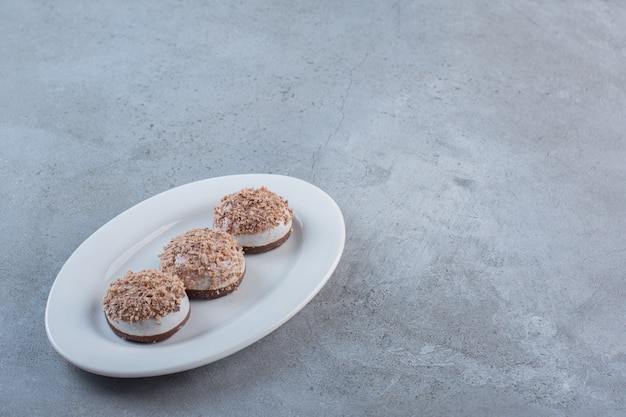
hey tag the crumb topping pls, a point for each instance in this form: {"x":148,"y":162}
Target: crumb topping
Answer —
{"x":251,"y":211}
{"x":201,"y":252}
{"x":143,"y":295}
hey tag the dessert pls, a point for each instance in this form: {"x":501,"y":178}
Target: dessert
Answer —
{"x":259,"y":219}
{"x":146,"y":306}
{"x":210,"y":262}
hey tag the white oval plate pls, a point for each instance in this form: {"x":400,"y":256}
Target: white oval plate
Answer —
{"x":276,"y":286}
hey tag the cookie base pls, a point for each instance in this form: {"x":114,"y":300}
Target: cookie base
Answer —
{"x":151,"y":338}
{"x":269,"y":246}
{"x":215,"y":293}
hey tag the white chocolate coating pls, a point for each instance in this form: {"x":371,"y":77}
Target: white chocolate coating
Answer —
{"x":264,"y":238}
{"x":153,"y":327}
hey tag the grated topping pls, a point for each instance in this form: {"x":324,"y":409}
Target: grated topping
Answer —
{"x":143,"y":295}
{"x":251,"y":211}
{"x":203,"y":252}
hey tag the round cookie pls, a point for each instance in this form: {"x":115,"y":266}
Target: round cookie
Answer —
{"x":210,"y":262}
{"x":259,"y":219}
{"x":146,"y":306}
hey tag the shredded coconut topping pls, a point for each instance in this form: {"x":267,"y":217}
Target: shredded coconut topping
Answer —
{"x":200,"y":253}
{"x":251,"y":211}
{"x":143,"y":295}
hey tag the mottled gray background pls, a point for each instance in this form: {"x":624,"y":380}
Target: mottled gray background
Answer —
{"x":476,"y":149}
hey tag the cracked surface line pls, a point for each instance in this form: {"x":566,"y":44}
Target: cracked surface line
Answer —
{"x":346,"y":94}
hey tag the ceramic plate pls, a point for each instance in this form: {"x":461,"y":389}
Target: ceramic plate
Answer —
{"x":276,"y":286}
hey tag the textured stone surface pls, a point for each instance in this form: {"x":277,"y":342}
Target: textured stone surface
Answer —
{"x":476,"y":149}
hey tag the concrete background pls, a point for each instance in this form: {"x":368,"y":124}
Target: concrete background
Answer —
{"x":476,"y":149}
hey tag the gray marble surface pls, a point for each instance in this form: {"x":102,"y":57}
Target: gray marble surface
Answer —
{"x":476,"y":149}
